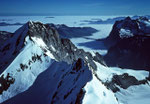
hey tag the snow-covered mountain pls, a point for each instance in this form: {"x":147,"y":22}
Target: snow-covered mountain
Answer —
{"x":36,"y":47}
{"x":38,"y":66}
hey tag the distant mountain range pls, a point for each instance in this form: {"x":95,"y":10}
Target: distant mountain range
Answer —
{"x":110,"y":20}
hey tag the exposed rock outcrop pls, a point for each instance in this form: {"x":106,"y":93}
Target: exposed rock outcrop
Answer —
{"x":124,"y":81}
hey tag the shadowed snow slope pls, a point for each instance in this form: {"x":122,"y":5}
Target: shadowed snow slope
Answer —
{"x":59,"y":84}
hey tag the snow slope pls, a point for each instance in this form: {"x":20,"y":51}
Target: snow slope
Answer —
{"x":134,"y":95}
{"x":97,"y":93}
{"x":24,"y":77}
{"x":59,"y":84}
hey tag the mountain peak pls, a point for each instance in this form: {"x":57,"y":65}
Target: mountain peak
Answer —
{"x":127,"y":28}
{"x":128,"y":18}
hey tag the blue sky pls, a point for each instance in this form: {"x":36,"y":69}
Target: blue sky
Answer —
{"x":75,"y":7}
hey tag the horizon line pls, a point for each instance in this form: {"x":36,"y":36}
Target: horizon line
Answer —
{"x":58,"y":14}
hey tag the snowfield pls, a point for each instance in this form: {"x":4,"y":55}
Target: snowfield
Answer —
{"x":125,"y":33}
{"x":134,"y":95}
{"x":96,"y":92}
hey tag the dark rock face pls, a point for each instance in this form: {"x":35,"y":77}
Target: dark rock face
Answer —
{"x":80,"y":97}
{"x":98,"y":58}
{"x":78,"y":65}
{"x":5,"y":82}
{"x":124,"y":81}
{"x":129,"y":51}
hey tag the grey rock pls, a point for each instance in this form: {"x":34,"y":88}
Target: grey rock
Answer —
{"x":124,"y":81}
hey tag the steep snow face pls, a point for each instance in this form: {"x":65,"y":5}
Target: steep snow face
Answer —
{"x":59,"y":84}
{"x":24,"y":69}
{"x":97,"y":93}
{"x":12,"y":47}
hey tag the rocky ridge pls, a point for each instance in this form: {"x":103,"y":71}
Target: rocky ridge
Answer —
{"x":50,"y":46}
